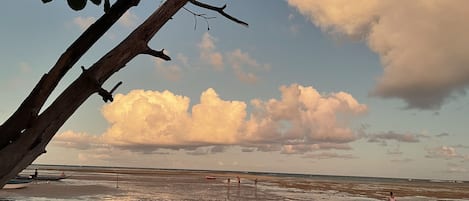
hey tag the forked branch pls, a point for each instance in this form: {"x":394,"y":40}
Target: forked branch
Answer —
{"x":219,"y":10}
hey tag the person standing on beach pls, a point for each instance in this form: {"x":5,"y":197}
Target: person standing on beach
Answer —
{"x":239,"y":179}
{"x":391,"y":197}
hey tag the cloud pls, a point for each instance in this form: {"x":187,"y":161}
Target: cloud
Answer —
{"x":304,"y":148}
{"x":71,"y":139}
{"x":172,"y":72}
{"x":128,"y":20}
{"x":329,"y":155}
{"x":425,"y":59}
{"x":443,"y":135}
{"x":303,"y":115}
{"x":241,"y":62}
{"x":445,"y":152}
{"x":83,"y":22}
{"x":206,"y":150}
{"x":208,"y":52}
{"x":391,"y":135}
{"x":303,"y":120}
{"x":243,"y":65}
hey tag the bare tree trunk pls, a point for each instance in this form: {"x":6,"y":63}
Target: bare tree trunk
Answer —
{"x":25,"y":135}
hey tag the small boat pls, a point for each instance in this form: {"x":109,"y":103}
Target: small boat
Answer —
{"x":35,"y":176}
{"x":17,"y":183}
{"x":210,"y":177}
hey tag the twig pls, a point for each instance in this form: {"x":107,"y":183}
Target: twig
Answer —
{"x":219,"y":10}
{"x":204,"y":16}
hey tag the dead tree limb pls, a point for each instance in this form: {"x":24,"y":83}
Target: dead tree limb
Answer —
{"x":28,"y":111}
{"x":220,"y":10}
{"x":34,"y":131}
{"x":31,"y":143}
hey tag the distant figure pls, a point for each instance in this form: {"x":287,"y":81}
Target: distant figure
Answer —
{"x":391,"y":197}
{"x":255,"y":181}
{"x":239,"y":180}
{"x":228,"y":180}
{"x":34,"y":176}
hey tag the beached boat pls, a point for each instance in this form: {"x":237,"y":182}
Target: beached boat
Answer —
{"x":17,"y":183}
{"x":36,"y":176}
{"x":210,"y":177}
{"x":42,"y":178}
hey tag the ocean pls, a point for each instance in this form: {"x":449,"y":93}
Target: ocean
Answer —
{"x":129,"y":184}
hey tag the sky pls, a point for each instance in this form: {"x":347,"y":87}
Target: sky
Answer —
{"x":369,"y":88}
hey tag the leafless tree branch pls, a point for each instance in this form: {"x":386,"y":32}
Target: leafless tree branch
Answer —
{"x":160,"y":54}
{"x":203,"y":16}
{"x":219,"y":10}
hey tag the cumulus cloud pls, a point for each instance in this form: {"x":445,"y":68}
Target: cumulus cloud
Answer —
{"x":424,"y":59}
{"x":303,"y":120}
{"x":208,"y":52}
{"x":240,"y":60}
{"x":303,"y":115}
{"x":83,"y":22}
{"x":391,"y":135}
{"x":243,"y":65}
{"x":445,"y":152}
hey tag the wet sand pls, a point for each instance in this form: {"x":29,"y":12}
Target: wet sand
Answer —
{"x":143,"y":184}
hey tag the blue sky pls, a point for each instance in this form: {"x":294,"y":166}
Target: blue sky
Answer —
{"x":310,"y":87}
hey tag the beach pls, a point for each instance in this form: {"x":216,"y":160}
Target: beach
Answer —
{"x":106,"y":183}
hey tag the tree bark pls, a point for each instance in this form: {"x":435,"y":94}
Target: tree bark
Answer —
{"x":28,"y":111}
{"x":29,"y":132}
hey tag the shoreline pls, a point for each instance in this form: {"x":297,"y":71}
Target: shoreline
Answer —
{"x":98,"y":183}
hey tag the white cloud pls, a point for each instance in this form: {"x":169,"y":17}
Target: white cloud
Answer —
{"x":329,"y":155}
{"x":445,"y":152}
{"x":391,"y":135}
{"x":71,"y":139}
{"x":171,"y":71}
{"x":425,"y":59}
{"x":241,"y":62}
{"x":302,"y":121}
{"x":208,"y":52}
{"x":128,"y":20}
{"x":243,"y":65}
{"x":83,"y":22}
